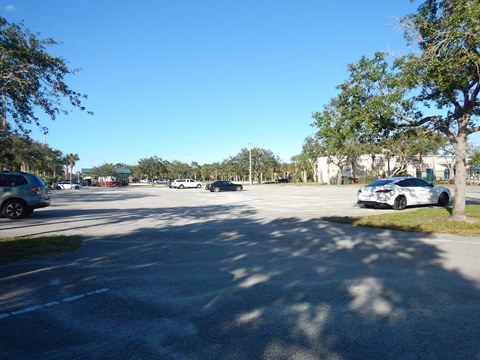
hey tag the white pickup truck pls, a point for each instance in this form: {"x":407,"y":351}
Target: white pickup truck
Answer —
{"x":185,"y":183}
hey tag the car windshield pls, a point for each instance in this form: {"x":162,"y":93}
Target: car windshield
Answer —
{"x":380,"y":182}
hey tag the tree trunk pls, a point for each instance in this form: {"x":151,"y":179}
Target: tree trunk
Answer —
{"x":314,"y":170}
{"x":339,"y":176}
{"x":460,"y":146}
{"x":354,"y":169}
{"x":373,"y":169}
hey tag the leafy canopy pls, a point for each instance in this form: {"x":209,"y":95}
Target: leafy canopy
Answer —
{"x":31,"y":78}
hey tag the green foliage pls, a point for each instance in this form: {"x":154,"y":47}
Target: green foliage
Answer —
{"x":442,"y":78}
{"x":106,"y":169}
{"x":263,"y":162}
{"x":31,"y":78}
{"x":409,"y":145}
{"x":152,"y":167}
{"x":50,"y":180}
{"x":448,"y":35}
{"x":70,"y":160}
{"x":31,"y":155}
{"x":178,"y":169}
{"x":338,"y":137}
{"x":474,"y":158}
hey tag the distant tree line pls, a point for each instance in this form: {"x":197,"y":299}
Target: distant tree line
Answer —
{"x":265,"y":166}
{"x":404,"y":147}
{"x":33,"y":156}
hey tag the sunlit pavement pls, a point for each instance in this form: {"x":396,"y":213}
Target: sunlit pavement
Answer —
{"x":257,"y":274}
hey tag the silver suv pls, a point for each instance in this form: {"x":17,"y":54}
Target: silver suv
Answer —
{"x":21,"y":193}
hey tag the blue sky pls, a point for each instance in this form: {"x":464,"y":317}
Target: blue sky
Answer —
{"x":198,"y":80}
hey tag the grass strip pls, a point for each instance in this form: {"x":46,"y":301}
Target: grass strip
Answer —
{"x":428,"y":220}
{"x":12,"y":249}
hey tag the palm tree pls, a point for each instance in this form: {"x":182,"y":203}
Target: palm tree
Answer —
{"x":71,"y":159}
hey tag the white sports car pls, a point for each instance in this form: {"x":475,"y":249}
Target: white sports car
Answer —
{"x":67,"y":184}
{"x":400,"y":192}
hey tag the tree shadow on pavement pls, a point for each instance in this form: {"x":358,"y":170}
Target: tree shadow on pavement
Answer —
{"x":226,"y":286}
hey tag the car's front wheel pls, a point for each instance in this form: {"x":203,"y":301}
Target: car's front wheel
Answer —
{"x":199,"y":186}
{"x":181,"y":187}
{"x":400,"y":203}
{"x":15,"y":209}
{"x":443,"y":199}
{"x":216,"y":189}
{"x":238,"y":188}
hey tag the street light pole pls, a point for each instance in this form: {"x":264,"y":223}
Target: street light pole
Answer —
{"x":3,"y":115}
{"x":250,"y":164}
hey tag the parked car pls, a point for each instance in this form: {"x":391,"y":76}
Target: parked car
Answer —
{"x":21,"y":193}
{"x":185,"y":183}
{"x":160,"y":181}
{"x":400,"y":192}
{"x":223,"y":185}
{"x":67,"y":184}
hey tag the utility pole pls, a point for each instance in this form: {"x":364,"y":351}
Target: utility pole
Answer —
{"x":4,"y":130}
{"x":250,"y":164}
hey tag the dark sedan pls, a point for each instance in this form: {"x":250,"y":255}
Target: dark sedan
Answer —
{"x":223,"y":185}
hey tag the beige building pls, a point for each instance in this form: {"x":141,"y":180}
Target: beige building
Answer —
{"x":429,"y":167}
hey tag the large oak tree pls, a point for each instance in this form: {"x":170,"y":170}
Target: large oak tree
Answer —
{"x":30,"y":80}
{"x":435,"y":86}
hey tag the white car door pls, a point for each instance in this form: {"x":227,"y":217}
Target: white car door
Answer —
{"x":413,"y":193}
{"x":426,"y":192}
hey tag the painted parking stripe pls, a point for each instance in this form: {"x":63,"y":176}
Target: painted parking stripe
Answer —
{"x":51,"y":303}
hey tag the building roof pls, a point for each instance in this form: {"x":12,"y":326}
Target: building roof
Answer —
{"x":121,"y":171}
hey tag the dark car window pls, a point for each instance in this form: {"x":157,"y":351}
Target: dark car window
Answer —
{"x":16,"y":180}
{"x":423,"y":183}
{"x":12,"y":180}
{"x":407,"y":183}
{"x":380,"y":182}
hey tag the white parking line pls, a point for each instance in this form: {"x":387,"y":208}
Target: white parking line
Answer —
{"x":51,"y":303}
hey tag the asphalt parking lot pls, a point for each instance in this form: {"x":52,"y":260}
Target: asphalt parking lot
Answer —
{"x":257,"y":274}
{"x":107,"y":211}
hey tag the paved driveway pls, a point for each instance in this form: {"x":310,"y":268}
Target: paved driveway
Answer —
{"x":94,"y":211}
{"x":188,"y":274}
